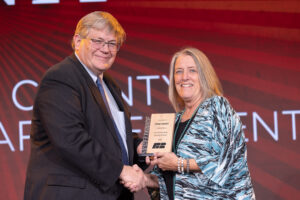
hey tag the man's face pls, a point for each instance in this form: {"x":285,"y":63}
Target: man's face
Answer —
{"x":95,"y":54}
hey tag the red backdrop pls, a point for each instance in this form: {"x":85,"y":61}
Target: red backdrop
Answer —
{"x":253,"y":45}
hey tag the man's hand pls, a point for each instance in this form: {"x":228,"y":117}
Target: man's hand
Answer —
{"x":133,"y":178}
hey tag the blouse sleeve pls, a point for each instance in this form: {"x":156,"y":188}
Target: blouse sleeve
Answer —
{"x":228,"y":149}
{"x":162,"y":185}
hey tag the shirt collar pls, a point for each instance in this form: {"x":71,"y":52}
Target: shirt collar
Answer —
{"x":92,"y":75}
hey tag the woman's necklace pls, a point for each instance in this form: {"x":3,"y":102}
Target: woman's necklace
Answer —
{"x":183,"y":132}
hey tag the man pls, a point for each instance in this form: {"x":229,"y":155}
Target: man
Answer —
{"x":81,"y":140}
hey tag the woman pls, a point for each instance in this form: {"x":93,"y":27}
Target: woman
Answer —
{"x":209,"y":158}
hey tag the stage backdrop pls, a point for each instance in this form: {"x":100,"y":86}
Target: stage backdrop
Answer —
{"x":253,"y":45}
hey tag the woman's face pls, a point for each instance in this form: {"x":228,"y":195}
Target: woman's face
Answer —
{"x":187,"y":79}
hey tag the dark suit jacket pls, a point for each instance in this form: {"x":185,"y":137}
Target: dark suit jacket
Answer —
{"x":75,"y":153}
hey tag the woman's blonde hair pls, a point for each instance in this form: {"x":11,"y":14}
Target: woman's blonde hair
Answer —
{"x":209,"y":82}
{"x":100,"y":20}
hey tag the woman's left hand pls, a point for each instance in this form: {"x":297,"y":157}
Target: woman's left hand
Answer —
{"x":167,"y":161}
{"x":139,"y":148}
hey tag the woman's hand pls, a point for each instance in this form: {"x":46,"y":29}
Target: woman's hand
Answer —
{"x":151,"y":160}
{"x":133,"y":178}
{"x":166,"y":161}
{"x":139,"y":148}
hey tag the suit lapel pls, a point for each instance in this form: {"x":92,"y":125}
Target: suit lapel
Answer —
{"x":121,"y":104}
{"x":95,"y":92}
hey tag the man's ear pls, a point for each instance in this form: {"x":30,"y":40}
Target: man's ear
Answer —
{"x":77,"y":40}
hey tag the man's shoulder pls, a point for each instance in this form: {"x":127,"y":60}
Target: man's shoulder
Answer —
{"x":67,"y":64}
{"x":63,"y":69}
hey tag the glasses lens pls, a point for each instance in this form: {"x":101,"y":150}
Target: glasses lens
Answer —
{"x":99,"y":44}
{"x":113,"y":47}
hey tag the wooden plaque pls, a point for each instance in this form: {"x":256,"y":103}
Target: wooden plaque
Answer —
{"x":158,"y":135}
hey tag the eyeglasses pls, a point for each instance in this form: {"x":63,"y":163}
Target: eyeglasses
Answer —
{"x":99,"y":43}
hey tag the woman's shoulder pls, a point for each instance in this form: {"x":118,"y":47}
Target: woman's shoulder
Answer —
{"x":219,"y":104}
{"x":218,"y":99}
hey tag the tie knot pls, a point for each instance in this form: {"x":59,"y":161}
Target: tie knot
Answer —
{"x":98,"y":81}
{"x":99,"y":84}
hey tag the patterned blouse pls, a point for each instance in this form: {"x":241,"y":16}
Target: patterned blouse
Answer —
{"x":216,"y":141}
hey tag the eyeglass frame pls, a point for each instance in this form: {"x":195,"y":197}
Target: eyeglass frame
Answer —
{"x":102,"y":43}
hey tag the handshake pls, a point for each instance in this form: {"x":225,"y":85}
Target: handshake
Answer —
{"x":133,"y":178}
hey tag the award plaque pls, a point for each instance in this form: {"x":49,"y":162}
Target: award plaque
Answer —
{"x":158,"y":134}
